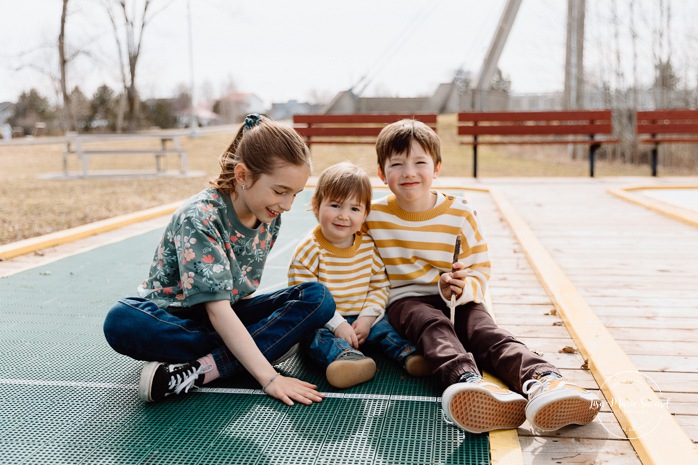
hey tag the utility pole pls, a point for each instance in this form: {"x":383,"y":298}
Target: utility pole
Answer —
{"x":574,"y":57}
{"x":489,"y":65}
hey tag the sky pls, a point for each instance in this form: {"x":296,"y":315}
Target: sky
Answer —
{"x":312,"y":49}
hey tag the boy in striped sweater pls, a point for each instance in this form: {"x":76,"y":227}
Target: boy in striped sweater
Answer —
{"x":415,"y":229}
{"x":337,"y":254}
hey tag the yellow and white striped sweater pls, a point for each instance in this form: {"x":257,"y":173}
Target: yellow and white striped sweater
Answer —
{"x":355,"y":275}
{"x":417,"y":247}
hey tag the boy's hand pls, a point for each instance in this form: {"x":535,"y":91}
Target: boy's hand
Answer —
{"x":346,"y":331}
{"x":362,"y":327}
{"x":289,"y":389}
{"x":454,"y":281}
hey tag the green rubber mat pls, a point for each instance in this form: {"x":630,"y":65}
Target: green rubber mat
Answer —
{"x":67,"y":398}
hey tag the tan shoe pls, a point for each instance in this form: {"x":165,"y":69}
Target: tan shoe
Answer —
{"x":416,"y":365}
{"x":554,"y":403}
{"x":350,"y":369}
{"x":478,"y":406}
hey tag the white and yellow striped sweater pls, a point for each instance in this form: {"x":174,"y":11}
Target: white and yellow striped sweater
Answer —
{"x":355,"y":275}
{"x":417,"y":247}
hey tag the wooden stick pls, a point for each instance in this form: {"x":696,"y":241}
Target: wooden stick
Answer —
{"x":456,"y":254}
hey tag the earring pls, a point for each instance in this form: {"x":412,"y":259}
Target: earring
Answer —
{"x":244,"y":186}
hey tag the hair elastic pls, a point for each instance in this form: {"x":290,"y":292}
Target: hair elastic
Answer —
{"x":252,"y":120}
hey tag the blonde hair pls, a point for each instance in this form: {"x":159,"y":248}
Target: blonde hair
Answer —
{"x":261,"y":148}
{"x":397,"y":138}
{"x":340,"y":182}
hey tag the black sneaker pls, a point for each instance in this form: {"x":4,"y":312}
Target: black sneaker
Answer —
{"x":159,"y":380}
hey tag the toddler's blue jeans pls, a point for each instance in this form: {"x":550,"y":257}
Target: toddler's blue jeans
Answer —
{"x":325,"y":347}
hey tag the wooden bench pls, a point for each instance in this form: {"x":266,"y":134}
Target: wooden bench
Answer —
{"x":351,"y":128}
{"x":668,"y":126}
{"x":169,"y":144}
{"x":536,"y":128}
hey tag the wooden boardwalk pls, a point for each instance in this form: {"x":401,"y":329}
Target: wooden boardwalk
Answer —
{"x":634,"y":268}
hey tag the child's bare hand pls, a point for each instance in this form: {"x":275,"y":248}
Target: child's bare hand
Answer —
{"x":362,"y":327}
{"x":288,"y":390}
{"x":346,"y":331}
{"x":454,"y":281}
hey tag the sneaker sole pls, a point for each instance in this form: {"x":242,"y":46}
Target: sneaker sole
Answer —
{"x":146,"y":381}
{"x":288,"y":354}
{"x":417,"y":366}
{"x":479,"y":412}
{"x":565,"y":412}
{"x":343,"y":374}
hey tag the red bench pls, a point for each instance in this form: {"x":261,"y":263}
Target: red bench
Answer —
{"x":668,"y":126}
{"x":351,"y":128}
{"x":536,"y":128}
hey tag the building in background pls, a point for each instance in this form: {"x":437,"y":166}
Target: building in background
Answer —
{"x":233,"y":107}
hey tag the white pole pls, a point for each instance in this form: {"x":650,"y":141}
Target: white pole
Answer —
{"x":193,"y":123}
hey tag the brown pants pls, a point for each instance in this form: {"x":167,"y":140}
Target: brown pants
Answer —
{"x":475,"y":341}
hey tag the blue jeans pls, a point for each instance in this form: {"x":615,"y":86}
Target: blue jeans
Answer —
{"x":137,"y":328}
{"x":325,"y":347}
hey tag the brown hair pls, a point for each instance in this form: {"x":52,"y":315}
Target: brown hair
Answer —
{"x":397,"y":138}
{"x":262,"y":148}
{"x":340,"y":182}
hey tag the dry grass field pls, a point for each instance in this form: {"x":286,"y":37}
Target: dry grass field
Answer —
{"x":32,"y":206}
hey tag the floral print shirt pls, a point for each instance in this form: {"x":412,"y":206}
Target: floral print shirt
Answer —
{"x":207,"y":254}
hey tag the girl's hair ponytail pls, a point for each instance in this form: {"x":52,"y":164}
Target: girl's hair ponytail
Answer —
{"x":262,"y":145}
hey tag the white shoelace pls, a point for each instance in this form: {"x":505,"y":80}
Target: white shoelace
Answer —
{"x":185,"y":381}
{"x":533,"y":387}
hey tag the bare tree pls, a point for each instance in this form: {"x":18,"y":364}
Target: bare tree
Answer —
{"x":63,"y":59}
{"x":129,"y":25}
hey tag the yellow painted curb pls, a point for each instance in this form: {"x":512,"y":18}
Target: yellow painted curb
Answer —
{"x":15,"y":249}
{"x":505,"y":448}
{"x":666,"y":209}
{"x":651,"y":429}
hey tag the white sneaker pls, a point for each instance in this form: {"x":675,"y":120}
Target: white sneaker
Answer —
{"x":293,"y":350}
{"x":554,"y":403}
{"x":478,"y":406}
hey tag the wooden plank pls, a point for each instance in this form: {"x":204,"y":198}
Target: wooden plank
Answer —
{"x":321,"y":131}
{"x":676,"y":382}
{"x":578,"y":451}
{"x":675,"y":363}
{"x":690,"y":424}
{"x":606,"y":423}
{"x":667,"y":128}
{"x":651,"y":321}
{"x":536,"y":130}
{"x":681,"y":403}
{"x":589,"y":115}
{"x":358,"y":118}
{"x":653,"y":335}
{"x":667,"y":114}
{"x":666,"y":348}
{"x":129,"y":151}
